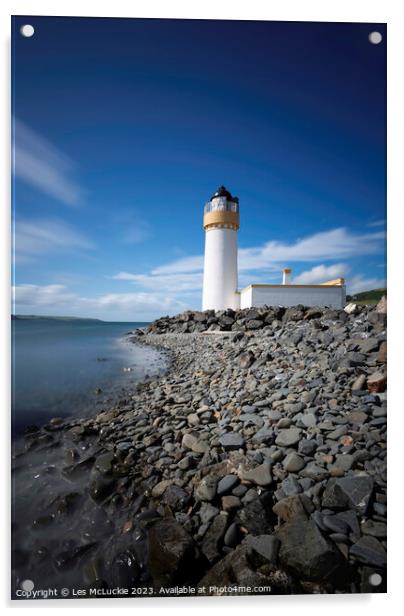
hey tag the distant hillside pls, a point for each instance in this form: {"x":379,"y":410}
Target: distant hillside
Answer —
{"x":36,"y":317}
{"x":367,"y":297}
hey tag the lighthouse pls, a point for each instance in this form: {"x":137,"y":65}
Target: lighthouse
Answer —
{"x":221,"y":222}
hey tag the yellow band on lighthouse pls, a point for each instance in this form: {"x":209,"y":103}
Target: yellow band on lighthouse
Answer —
{"x":229,"y":219}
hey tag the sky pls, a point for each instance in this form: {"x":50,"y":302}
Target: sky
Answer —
{"x":124,"y":128}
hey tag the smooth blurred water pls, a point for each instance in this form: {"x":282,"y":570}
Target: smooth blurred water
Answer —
{"x":59,"y":365}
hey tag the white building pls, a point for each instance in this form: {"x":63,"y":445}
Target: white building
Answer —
{"x":221,"y":223}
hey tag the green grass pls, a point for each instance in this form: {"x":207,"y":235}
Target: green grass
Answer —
{"x":367,"y":297}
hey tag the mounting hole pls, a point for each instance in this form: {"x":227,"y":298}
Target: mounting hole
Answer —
{"x":375,"y":579}
{"x":27,"y":30}
{"x":27,"y":585}
{"x":375,"y":38}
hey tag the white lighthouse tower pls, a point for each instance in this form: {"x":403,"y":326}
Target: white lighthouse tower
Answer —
{"x":221,"y":222}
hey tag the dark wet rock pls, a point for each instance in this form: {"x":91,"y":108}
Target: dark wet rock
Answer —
{"x":213,"y":538}
{"x":76,"y":433}
{"x":172,"y":553}
{"x":335,"y":524}
{"x":125,"y":571}
{"x":370,"y":551}
{"x":69,"y":558}
{"x":232,"y":536}
{"x":352,"y":491}
{"x":104,"y":462}
{"x":30,"y":430}
{"x":67,"y":503}
{"x":176,"y":498}
{"x":375,"y":529}
{"x":100,"y":487}
{"x":318,"y":518}
{"x":239,"y":568}
{"x":307,"y":553}
{"x":266,"y":545}
{"x":42,"y":521}
{"x":290,"y":508}
{"x":255,"y":516}
{"x":80,"y":469}
{"x":351,"y":518}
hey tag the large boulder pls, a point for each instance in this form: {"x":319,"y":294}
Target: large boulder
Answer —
{"x":244,"y":567}
{"x":290,"y":508}
{"x":172,"y":553}
{"x":350,"y":492}
{"x":307,"y":553}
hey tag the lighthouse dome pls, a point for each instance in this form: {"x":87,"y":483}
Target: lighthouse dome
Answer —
{"x":223,"y":192}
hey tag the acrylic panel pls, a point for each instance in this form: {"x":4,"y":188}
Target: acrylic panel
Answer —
{"x":199,"y":354}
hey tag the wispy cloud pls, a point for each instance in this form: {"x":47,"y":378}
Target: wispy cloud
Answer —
{"x":263,"y":263}
{"x":185,"y":264}
{"x":137,"y":234}
{"x":42,"y":236}
{"x":322,"y":273}
{"x":43,"y":166}
{"x":128,"y":225}
{"x":170,"y":283}
{"x":360,"y":283}
{"x":377,"y":223}
{"x":337,"y":243}
{"x":330,"y":245}
{"x":37,"y":296}
{"x":56,"y":299}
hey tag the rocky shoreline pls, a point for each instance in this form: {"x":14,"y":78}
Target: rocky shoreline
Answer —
{"x":258,"y":460}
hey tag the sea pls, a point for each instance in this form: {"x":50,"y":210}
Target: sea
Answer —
{"x":74,"y":367}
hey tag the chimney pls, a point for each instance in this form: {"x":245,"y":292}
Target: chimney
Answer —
{"x":286,"y":275}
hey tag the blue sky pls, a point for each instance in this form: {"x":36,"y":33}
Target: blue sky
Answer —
{"x":124,"y":128}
